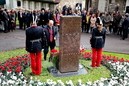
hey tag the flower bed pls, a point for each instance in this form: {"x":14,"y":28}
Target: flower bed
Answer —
{"x":11,"y":72}
{"x":15,"y":64}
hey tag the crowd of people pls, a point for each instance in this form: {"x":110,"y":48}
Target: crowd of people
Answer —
{"x":114,"y":22}
{"x":9,"y":18}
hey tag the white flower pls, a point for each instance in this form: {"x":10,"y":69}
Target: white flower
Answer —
{"x":71,"y":83}
{"x":3,"y":83}
{"x":60,"y":82}
{"x":94,"y":84}
{"x":31,"y":77}
{"x":114,"y":78}
{"x":103,"y":79}
{"x":49,"y":81}
{"x":11,"y":81}
{"x":40,"y":83}
{"x":31,"y":81}
{"x":100,"y":84}
{"x":20,"y":73}
{"x":89,"y":83}
{"x":14,"y":77}
{"x":79,"y":82}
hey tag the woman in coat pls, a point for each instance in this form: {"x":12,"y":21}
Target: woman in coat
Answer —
{"x":97,"y":43}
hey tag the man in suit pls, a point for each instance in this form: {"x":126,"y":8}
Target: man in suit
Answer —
{"x":42,"y":17}
{"x":34,"y":36}
{"x":20,"y":19}
{"x":5,"y":19}
{"x":48,"y":16}
{"x":84,"y":21}
{"x":50,"y":32}
{"x":125,"y":26}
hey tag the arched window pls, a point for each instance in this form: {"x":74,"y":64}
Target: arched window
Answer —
{"x":18,"y":3}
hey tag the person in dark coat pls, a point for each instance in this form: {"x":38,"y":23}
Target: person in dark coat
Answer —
{"x":5,"y":19}
{"x":97,"y":43}
{"x":42,"y":17}
{"x":84,"y":21}
{"x":34,"y":36}
{"x":9,"y":21}
{"x":48,"y":16}
{"x":50,"y":35}
{"x":125,"y":26}
{"x":20,"y":19}
{"x":27,"y":19}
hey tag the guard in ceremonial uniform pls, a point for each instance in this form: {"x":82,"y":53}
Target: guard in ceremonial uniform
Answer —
{"x":97,"y":43}
{"x":34,"y":36}
{"x":50,"y":32}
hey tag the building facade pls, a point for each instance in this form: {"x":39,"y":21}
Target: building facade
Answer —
{"x":101,"y":5}
{"x":38,"y":4}
{"x":31,"y":4}
{"x":110,"y":5}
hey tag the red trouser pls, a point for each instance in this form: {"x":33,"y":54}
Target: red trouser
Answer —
{"x":96,"y":57}
{"x":36,"y":63}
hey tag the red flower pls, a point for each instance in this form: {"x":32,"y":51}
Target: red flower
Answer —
{"x":121,"y":60}
{"x":18,"y":69}
{"x":54,"y":51}
{"x":87,"y":55}
{"x":82,"y":50}
{"x":9,"y":70}
{"x":2,"y":68}
{"x":127,"y":61}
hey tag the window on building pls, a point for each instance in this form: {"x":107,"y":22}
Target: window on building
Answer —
{"x":51,"y":6}
{"x":45,"y":5}
{"x":110,"y":1}
{"x":30,"y":5}
{"x":25,"y":4}
{"x":18,"y":3}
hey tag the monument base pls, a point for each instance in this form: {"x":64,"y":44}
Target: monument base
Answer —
{"x":56,"y":73}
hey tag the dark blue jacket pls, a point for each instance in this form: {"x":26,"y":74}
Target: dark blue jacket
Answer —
{"x":98,"y":38}
{"x":34,"y":37}
{"x":47,"y":35}
{"x":125,"y":24}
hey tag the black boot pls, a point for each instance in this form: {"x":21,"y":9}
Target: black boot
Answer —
{"x":45,"y":57}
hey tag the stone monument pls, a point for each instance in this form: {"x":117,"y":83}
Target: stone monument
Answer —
{"x":69,"y":43}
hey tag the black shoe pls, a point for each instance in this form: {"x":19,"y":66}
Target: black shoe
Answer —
{"x":5,"y":31}
{"x":123,"y":38}
{"x":44,"y":58}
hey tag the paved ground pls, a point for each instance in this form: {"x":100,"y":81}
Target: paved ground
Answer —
{"x":16,"y":39}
